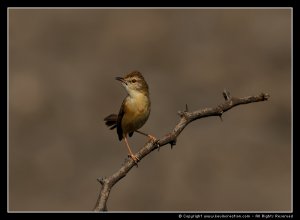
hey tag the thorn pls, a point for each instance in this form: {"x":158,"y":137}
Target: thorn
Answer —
{"x":186,"y":108}
{"x":158,"y":145}
{"x":173,"y":143}
{"x":182,"y":114}
{"x":221,"y":114}
{"x":101,"y":180}
{"x":265,"y":96}
{"x":226,"y":95}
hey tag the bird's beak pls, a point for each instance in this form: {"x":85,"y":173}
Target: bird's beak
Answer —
{"x":121,"y":79}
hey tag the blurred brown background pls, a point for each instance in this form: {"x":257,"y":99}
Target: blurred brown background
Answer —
{"x":62,"y":64}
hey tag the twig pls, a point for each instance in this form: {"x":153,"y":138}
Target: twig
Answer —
{"x":186,"y":117}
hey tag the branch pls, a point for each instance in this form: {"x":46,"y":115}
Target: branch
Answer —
{"x":186,"y":117}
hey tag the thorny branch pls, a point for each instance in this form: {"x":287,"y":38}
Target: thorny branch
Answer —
{"x":186,"y":117}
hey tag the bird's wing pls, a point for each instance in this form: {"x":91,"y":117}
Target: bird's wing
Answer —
{"x":119,"y":121}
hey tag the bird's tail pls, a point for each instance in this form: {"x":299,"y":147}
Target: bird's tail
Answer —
{"x":111,"y":121}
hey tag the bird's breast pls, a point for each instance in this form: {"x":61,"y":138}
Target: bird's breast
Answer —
{"x":137,"y":111}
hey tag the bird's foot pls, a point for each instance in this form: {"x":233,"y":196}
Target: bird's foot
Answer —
{"x":134,"y":158}
{"x":152,"y":138}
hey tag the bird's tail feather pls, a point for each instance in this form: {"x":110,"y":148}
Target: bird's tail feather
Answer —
{"x":111,"y":121}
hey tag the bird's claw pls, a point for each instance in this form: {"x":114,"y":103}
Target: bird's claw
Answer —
{"x":134,"y":158}
{"x":153,"y":139}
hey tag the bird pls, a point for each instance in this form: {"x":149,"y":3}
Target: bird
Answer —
{"x":134,"y":111}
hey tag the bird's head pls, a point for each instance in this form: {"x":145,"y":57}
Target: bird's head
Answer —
{"x":134,"y":82}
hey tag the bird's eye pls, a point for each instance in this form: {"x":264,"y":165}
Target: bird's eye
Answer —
{"x":133,"y":81}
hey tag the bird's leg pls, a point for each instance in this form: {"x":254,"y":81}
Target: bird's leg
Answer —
{"x":134,"y":158}
{"x":154,"y":139}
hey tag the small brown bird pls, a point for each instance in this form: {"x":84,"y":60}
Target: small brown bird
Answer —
{"x":134,"y":111}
